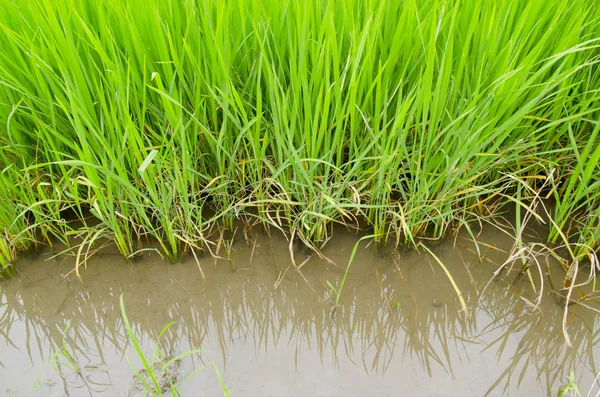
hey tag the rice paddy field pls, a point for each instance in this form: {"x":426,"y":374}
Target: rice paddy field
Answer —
{"x":159,"y":124}
{"x":159,"y":119}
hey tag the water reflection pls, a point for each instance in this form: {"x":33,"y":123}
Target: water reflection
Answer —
{"x":398,"y":321}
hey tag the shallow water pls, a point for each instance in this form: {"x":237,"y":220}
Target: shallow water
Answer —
{"x":399,"y":328}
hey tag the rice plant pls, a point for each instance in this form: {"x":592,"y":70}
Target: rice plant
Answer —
{"x":152,"y":120}
{"x":161,"y":373}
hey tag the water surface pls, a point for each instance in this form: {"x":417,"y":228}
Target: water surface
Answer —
{"x":270,"y":330}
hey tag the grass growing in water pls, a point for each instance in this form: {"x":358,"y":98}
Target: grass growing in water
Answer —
{"x":160,"y":374}
{"x":162,"y":118}
{"x":570,"y":389}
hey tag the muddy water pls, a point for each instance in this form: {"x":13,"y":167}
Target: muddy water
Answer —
{"x":398,"y":330}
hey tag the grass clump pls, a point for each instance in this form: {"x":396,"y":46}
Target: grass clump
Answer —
{"x":159,"y":119}
{"x":7,"y":256}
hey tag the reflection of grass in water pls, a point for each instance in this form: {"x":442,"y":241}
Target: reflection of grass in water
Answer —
{"x":63,"y":357}
{"x":541,"y":343}
{"x":164,"y":378}
{"x":285,"y":315}
{"x":64,"y":361}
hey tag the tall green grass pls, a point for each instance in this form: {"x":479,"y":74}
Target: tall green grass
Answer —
{"x":164,"y":118}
